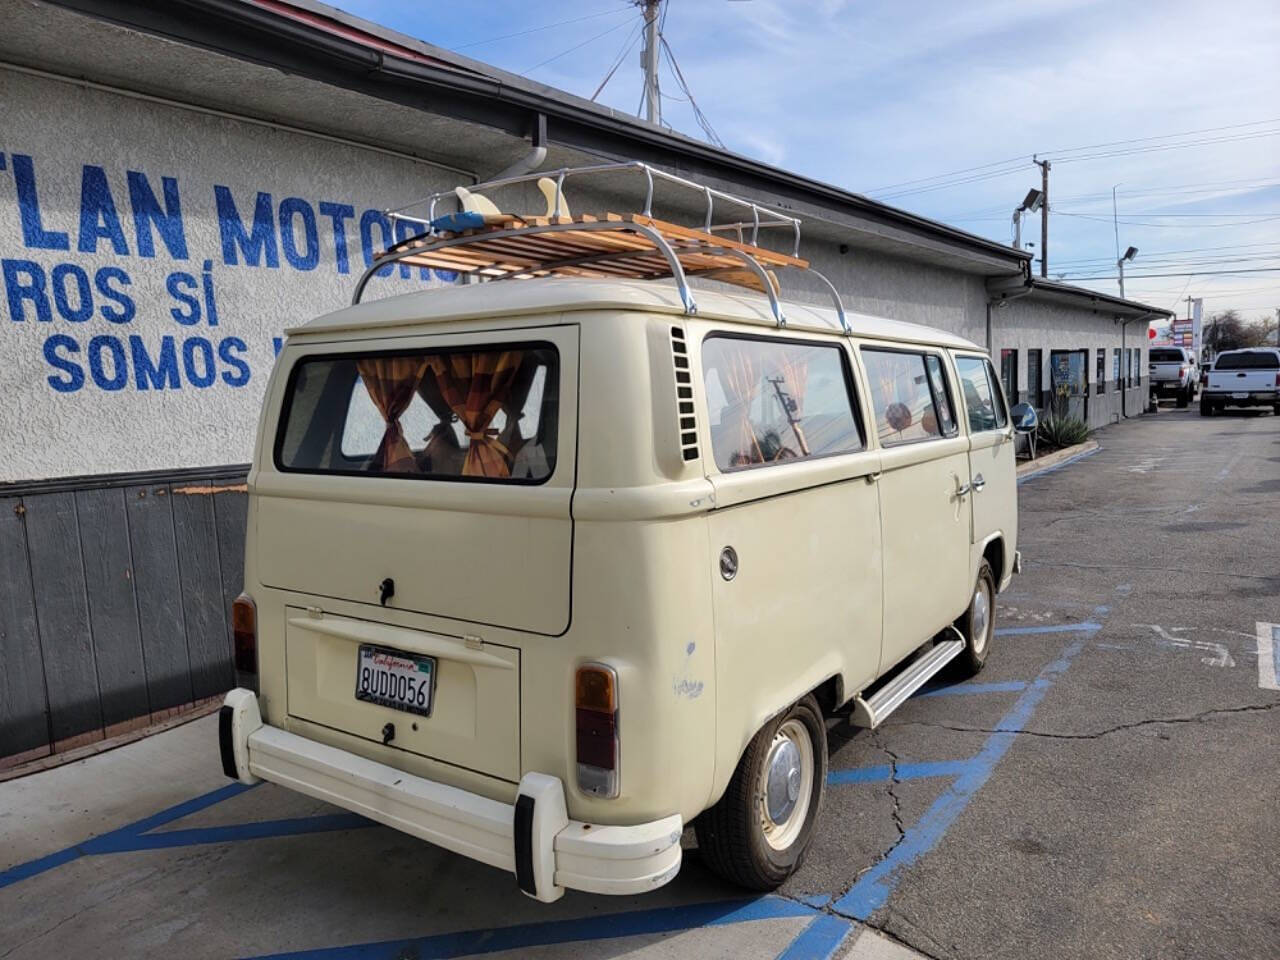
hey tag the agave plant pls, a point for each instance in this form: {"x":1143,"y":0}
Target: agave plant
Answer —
{"x":1059,"y":431}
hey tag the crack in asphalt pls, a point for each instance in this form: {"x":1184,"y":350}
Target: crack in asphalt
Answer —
{"x":1203,"y":717}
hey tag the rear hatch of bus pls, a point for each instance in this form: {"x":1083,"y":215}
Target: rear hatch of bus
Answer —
{"x":415,"y":495}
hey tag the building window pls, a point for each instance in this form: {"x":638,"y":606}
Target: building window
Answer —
{"x":1009,"y":374}
{"x":1102,"y":370}
{"x":1115,"y":368}
{"x":1034,"y":386}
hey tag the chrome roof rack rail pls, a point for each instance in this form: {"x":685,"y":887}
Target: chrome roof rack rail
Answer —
{"x":500,"y":246}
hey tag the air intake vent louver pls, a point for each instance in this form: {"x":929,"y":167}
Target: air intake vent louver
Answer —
{"x":684,"y":396}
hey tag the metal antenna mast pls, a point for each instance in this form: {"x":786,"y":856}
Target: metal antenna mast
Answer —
{"x":649,"y":60}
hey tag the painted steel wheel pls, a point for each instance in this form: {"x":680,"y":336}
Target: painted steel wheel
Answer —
{"x":757,"y":834}
{"x":978,"y":624}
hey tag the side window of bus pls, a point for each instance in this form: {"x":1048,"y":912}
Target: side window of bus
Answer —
{"x":909,"y":395}
{"x":982,"y":397}
{"x":770,"y":401}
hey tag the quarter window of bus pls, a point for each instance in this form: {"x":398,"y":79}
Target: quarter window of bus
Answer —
{"x":910,"y":404}
{"x":982,"y":397}
{"x":772,"y":401}
{"x":486,"y":413}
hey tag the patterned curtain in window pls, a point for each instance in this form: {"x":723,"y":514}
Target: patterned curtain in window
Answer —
{"x":392,"y":382}
{"x":475,"y":386}
{"x":741,"y":381}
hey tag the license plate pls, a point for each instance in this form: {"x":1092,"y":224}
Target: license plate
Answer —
{"x":1239,"y":396}
{"x":391,"y":678}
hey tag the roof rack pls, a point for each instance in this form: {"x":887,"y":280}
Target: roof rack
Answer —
{"x":488,"y":244}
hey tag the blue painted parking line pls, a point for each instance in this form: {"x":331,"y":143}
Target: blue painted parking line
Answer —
{"x":108,"y":842}
{"x":881,"y":772}
{"x":1087,"y":626}
{"x":138,"y":836}
{"x":963,"y":689}
{"x":875,"y":886}
{"x":819,"y":940}
{"x":632,"y":923}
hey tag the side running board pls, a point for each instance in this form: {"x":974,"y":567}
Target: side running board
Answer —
{"x":872,"y":712}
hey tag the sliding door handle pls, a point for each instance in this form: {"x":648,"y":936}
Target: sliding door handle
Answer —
{"x":979,"y":483}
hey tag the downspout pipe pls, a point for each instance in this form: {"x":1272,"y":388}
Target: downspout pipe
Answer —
{"x":1124,"y":324}
{"x":533,"y":159}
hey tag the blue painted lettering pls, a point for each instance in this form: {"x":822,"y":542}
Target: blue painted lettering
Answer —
{"x":31,"y":288}
{"x":210,"y":302}
{"x":74,"y":378}
{"x":260,"y":245}
{"x":368,"y":220}
{"x":175,"y":284}
{"x":82,"y":309}
{"x":98,"y":217}
{"x":309,"y":257}
{"x":201,"y":346}
{"x":161,"y":375}
{"x":105,"y":343}
{"x":34,"y":234}
{"x":227,"y":350}
{"x":125,"y":309}
{"x":339,"y":213}
{"x":149,"y":217}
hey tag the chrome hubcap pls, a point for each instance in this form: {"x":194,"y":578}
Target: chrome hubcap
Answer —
{"x":783,"y":781}
{"x":786,"y":783}
{"x":981,"y":619}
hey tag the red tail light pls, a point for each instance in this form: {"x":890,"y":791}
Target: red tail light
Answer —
{"x":596,"y":722}
{"x":1278,"y":379}
{"x":244,"y":634}
{"x":1182,"y":371}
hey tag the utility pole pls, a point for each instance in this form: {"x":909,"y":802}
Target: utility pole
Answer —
{"x":649,"y":60}
{"x":1044,"y":216}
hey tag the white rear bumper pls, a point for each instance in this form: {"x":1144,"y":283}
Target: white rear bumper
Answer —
{"x":532,"y":838}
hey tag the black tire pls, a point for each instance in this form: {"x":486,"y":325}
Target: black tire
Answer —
{"x":1276,"y":409}
{"x":732,"y":838}
{"x":1184,"y":398}
{"x":974,"y":656}
{"x":1206,"y":407}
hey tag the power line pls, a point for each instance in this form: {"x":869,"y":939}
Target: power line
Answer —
{"x":627,"y":44}
{"x":1143,"y":223}
{"x":698,"y":115}
{"x":1061,"y":155}
{"x":576,"y":46}
{"x":1164,"y":136}
{"x":1189,"y":273}
{"x":549,"y":26}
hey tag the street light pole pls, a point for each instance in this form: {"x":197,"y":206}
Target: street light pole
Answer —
{"x":1128,"y":255}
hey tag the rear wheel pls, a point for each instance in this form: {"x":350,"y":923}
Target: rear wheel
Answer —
{"x":978,"y":624}
{"x":1184,"y":397}
{"x":757,"y":835}
{"x":1206,"y":407}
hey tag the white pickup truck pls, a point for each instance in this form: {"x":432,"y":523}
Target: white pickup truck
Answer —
{"x":1172,"y":373}
{"x":1243,"y":378}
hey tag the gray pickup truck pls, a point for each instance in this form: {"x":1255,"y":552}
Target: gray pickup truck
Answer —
{"x":1173,"y":373}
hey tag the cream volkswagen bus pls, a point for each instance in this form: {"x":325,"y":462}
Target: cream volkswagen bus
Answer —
{"x":545,"y":571}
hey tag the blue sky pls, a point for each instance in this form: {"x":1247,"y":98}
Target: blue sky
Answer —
{"x":875,"y":94}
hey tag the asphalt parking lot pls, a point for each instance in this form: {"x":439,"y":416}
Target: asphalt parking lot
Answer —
{"x":1106,"y":788}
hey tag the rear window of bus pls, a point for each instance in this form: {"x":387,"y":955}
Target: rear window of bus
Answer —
{"x":486,"y":414}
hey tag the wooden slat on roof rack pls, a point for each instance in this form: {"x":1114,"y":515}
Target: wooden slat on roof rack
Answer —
{"x":600,"y":253}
